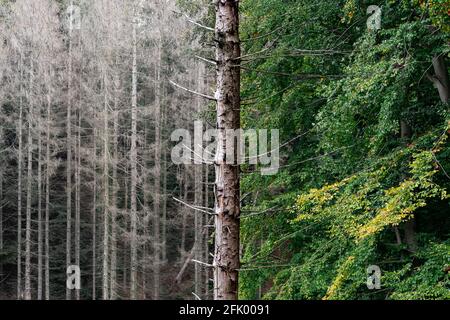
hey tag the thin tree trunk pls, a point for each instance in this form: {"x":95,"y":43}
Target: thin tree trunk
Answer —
{"x":19,"y":188}
{"x":39,"y":181}
{"x":29,"y":187}
{"x":94,"y":217}
{"x":113,"y":293}
{"x":164,"y":196}
{"x":47,"y":204}
{"x":69,"y":165}
{"x":185,"y":186}
{"x":1,"y":228}
{"x":77,"y":196}
{"x":206,"y":234}
{"x":198,"y":201}
{"x":409,"y":225}
{"x":78,"y":174}
{"x":105,"y":275}
{"x":133,"y":160}
{"x":125,"y":222}
{"x":157,"y":190}
{"x":227,"y":203}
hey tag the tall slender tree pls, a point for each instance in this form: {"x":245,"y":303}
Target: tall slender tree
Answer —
{"x":227,"y":202}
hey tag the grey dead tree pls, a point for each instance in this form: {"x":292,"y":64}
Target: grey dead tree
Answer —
{"x":133,"y":162}
{"x":69,"y":157}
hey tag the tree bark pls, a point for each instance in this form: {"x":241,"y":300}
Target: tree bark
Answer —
{"x":69,"y":164}
{"x":105,"y":272}
{"x":184,"y":188}
{"x":47,"y":203}
{"x":1,"y":227}
{"x":206,"y":234}
{"x":157,"y":186}
{"x":440,"y":78}
{"x":227,"y":203}
{"x":39,"y":219}
{"x":409,"y":225}
{"x":133,"y":162}
{"x":19,"y":187}
{"x":94,"y":217}
{"x":113,"y":285}
{"x":78,"y":194}
{"x":27,"y":293}
{"x":198,"y":201}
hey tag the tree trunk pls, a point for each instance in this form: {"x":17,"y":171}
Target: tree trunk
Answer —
{"x":105,"y":273}
{"x":19,"y":188}
{"x":125,"y":226}
{"x":164,"y":196}
{"x":184,"y":188}
{"x":47,"y":203}
{"x":157,"y":186}
{"x":133,"y":162}
{"x":1,"y":228}
{"x":29,"y":190}
{"x":39,"y":181}
{"x":113,"y":293}
{"x":94,"y":217}
{"x":69,"y":165}
{"x":408,"y":226}
{"x":440,"y":78}
{"x":206,"y":234}
{"x":77,"y":196}
{"x":198,"y":200}
{"x":227,"y":203}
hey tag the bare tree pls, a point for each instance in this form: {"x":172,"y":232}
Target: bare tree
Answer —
{"x":227,"y":203}
{"x":133,"y":164}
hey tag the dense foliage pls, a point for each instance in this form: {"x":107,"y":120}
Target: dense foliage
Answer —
{"x":351,"y":177}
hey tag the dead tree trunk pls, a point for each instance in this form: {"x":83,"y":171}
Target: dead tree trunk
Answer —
{"x":29,"y":186}
{"x":157,"y":186}
{"x":198,"y":201}
{"x":39,"y":219}
{"x":1,"y":226}
{"x":113,"y":267}
{"x":105,"y":273}
{"x":19,"y":187}
{"x":47,"y":203}
{"x":94,"y":217}
{"x":69,"y":166}
{"x":227,"y":204}
{"x":133,"y":162}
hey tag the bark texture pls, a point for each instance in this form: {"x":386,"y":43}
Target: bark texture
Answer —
{"x":227,"y":203}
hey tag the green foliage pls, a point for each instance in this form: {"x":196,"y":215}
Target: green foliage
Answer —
{"x":349,"y":182}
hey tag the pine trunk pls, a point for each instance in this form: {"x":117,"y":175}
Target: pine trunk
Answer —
{"x":39,"y":219}
{"x":47,"y":203}
{"x":94,"y":217}
{"x":105,"y":272}
{"x":227,"y":203}
{"x":29,"y":190}
{"x":133,"y":162}
{"x":69,"y":166}
{"x":19,"y":188}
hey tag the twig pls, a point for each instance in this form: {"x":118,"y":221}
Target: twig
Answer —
{"x":206,"y":60}
{"x":196,"y":296}
{"x":203,"y":263}
{"x":193,"y":92}
{"x":193,"y":207}
{"x":194,"y":22}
